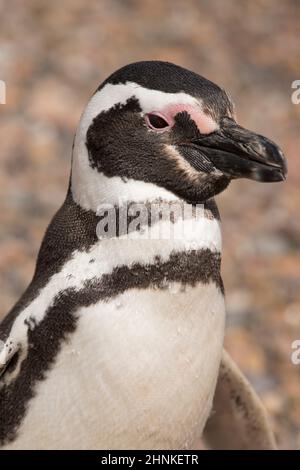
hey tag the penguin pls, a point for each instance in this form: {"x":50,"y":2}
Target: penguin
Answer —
{"x":117,"y":343}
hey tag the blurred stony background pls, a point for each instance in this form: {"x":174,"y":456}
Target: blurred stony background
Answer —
{"x":54,"y":54}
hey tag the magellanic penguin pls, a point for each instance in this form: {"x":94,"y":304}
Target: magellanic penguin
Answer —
{"x":118,"y":340}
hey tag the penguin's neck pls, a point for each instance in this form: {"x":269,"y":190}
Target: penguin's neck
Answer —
{"x":75,"y":227}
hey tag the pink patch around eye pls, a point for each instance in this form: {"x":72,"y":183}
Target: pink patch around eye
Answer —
{"x":206,"y":124}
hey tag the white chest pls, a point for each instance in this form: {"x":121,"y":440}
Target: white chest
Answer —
{"x":140,"y":369}
{"x":139,"y":372}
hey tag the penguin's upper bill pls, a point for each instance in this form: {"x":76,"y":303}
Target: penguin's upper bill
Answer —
{"x":155,"y":122}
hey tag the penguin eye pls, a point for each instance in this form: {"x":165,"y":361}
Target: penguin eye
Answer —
{"x":156,"y":122}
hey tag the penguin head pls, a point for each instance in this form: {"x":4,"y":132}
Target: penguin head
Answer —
{"x":154,"y":127}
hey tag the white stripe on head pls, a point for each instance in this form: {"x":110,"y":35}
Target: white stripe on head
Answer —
{"x":89,"y":187}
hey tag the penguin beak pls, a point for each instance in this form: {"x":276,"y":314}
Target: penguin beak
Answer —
{"x":239,"y":153}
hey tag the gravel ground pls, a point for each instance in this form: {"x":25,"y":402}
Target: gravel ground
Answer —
{"x":54,"y":54}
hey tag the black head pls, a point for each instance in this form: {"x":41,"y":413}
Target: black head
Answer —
{"x":158,"y":123}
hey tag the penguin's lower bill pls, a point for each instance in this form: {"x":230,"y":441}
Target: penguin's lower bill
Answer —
{"x":240,"y":153}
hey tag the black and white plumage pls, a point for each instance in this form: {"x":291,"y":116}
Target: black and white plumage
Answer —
{"x":117,"y":342}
